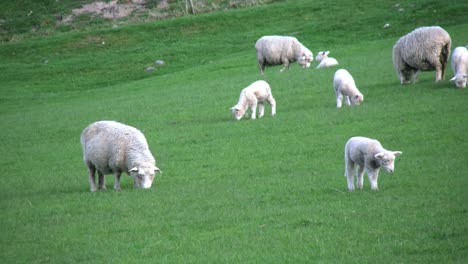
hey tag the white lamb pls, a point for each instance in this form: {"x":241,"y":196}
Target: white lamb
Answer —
{"x":251,"y":96}
{"x":424,"y":49}
{"x":459,"y":64}
{"x":368,"y":155}
{"x":112,"y":147}
{"x":325,"y":61}
{"x":344,"y":86}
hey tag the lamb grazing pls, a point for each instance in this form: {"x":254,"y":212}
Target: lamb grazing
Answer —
{"x":424,"y":49}
{"x":254,"y":94}
{"x":344,"y":86}
{"x":324,"y":60}
{"x":459,"y":64}
{"x":369,"y":155}
{"x":112,"y":147}
{"x":276,"y":50}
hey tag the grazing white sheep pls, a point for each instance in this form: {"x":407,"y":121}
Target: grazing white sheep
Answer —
{"x":325,"y":61}
{"x":459,"y":64}
{"x":276,"y":50}
{"x":344,"y":86}
{"x":369,"y":156}
{"x":251,"y":96}
{"x":112,"y":147}
{"x":424,"y":49}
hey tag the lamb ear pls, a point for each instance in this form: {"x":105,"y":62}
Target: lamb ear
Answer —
{"x":328,"y":52}
{"x":379,"y":155}
{"x":453,"y":79}
{"x":397,"y":153}
{"x":134,"y":169}
{"x":156,"y":169}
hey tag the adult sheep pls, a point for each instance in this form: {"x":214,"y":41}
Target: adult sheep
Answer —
{"x":424,"y":49}
{"x":276,"y":50}
{"x":459,"y":64}
{"x":112,"y":147}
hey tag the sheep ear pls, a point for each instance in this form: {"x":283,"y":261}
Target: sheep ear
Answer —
{"x":397,"y":153}
{"x":379,"y":155}
{"x":453,"y":79}
{"x":156,"y":169}
{"x":328,"y":52}
{"x":134,"y":169}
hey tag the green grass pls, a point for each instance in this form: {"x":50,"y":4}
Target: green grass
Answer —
{"x":265,"y":191}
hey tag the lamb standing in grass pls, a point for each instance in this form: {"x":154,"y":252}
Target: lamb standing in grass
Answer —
{"x":369,"y":156}
{"x":112,"y":147}
{"x":344,"y":86}
{"x":324,"y":60}
{"x":276,"y":50}
{"x":424,"y":49}
{"x":459,"y":64}
{"x":251,"y":96}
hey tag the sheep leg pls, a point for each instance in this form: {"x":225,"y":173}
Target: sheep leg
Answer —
{"x":101,"y":181}
{"x":261,"y":110}
{"x":360,"y":177}
{"x":262,"y":68}
{"x":350,"y":175}
{"x":339,"y":99}
{"x":348,"y":102}
{"x":373,"y":176}
{"x":92,"y":179}
{"x":117,"y":181}
{"x":285,"y":64}
{"x":272,"y":102}
{"x":438,"y":74}
{"x":254,"y":108}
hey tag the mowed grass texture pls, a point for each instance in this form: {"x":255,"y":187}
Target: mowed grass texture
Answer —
{"x":265,"y":191}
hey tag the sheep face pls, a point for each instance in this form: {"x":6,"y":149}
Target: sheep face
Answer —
{"x":321,"y":55}
{"x":144,"y":175}
{"x":237,"y":113}
{"x":357,"y":99}
{"x":460,"y":80}
{"x":386,"y":160}
{"x":305,"y":59}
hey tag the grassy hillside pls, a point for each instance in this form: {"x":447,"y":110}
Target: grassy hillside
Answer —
{"x":266,"y":191}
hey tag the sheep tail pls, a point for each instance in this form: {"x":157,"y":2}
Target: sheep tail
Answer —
{"x":444,"y":55}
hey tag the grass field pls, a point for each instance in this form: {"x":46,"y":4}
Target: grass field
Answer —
{"x":265,"y":191}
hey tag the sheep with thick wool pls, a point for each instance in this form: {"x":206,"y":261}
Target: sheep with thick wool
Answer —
{"x":277,"y":50}
{"x":459,"y":63}
{"x":424,"y":49}
{"x":368,"y":156}
{"x":325,"y":61}
{"x":251,"y":96}
{"x":344,"y":86}
{"x":111,"y":147}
